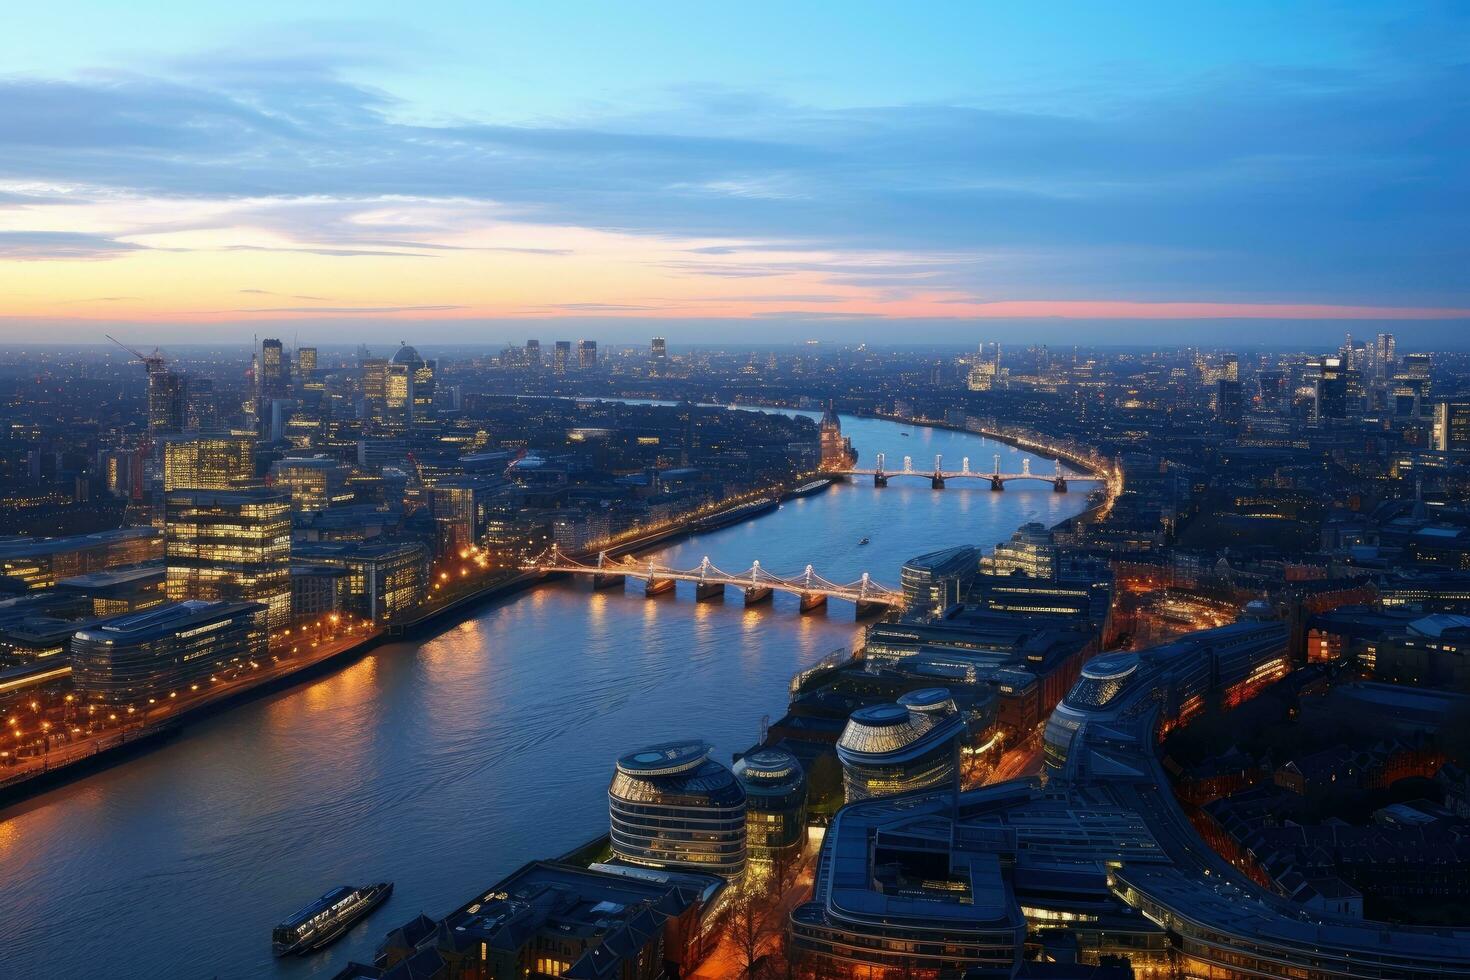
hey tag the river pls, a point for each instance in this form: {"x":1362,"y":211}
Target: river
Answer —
{"x":442,"y":764}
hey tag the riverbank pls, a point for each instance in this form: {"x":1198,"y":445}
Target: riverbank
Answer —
{"x":114,"y":748}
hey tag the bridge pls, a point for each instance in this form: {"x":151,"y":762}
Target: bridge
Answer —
{"x":939,"y":476}
{"x":757,"y":584}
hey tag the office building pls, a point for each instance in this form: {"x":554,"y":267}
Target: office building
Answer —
{"x":313,"y":482}
{"x":533,"y":354}
{"x":115,"y":591}
{"x":775,"y":806}
{"x":230,"y":545}
{"x":658,"y":354}
{"x":385,"y":579}
{"x":935,"y":581}
{"x":1452,"y":426}
{"x":208,"y":462}
{"x":305,"y":364}
{"x":274,"y":374}
{"x":39,"y":563}
{"x":888,"y":749}
{"x":375,"y":388}
{"x":1331,"y":389}
{"x":586,"y":355}
{"x":130,"y":659}
{"x":168,"y":401}
{"x":561,"y":356}
{"x":671,"y":806}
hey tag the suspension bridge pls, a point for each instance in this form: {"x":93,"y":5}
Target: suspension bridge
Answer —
{"x":939,"y":476}
{"x":758,"y":584}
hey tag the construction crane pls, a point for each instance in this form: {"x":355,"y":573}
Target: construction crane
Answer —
{"x":153,"y":362}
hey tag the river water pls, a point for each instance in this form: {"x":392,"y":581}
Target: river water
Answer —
{"x":445,"y":763}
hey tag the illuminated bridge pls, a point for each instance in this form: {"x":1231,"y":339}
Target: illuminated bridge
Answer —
{"x":710,"y":582}
{"x":939,"y":476}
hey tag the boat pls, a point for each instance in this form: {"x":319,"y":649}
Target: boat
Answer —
{"x":903,"y":433}
{"x":863,"y":541}
{"x":324,"y":921}
{"x":810,"y":488}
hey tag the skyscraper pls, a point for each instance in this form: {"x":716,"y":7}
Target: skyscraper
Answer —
{"x":168,"y":400}
{"x":533,"y":354}
{"x":587,"y":355}
{"x":560,"y":356}
{"x":208,"y":462}
{"x":272,"y":380}
{"x":305,"y":363}
{"x":660,"y":356}
{"x":230,"y":544}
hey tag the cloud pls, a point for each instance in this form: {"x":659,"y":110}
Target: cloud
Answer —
{"x":601,"y":307}
{"x":1252,"y":185}
{"x":54,"y":246}
{"x":267,"y":292}
{"x":335,"y":310}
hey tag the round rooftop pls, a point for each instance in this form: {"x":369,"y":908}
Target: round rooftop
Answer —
{"x":767,"y":765}
{"x":665,"y":758}
{"x":928,"y":699}
{"x":1111,"y":667}
{"x":406,"y":355}
{"x":882,"y":716}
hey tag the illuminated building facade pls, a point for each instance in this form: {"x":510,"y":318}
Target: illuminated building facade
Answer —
{"x":230,"y":545}
{"x":272,"y":382}
{"x":313,"y":482}
{"x":1032,"y":551}
{"x":385,"y":579}
{"x":208,"y":462}
{"x":561,"y":356}
{"x":375,"y":388}
{"x":836,"y":449}
{"x":1452,"y":426}
{"x":775,"y":805}
{"x":145,"y":655}
{"x":671,"y":806}
{"x":933,"y":582}
{"x":115,"y":591}
{"x":888,"y":749}
{"x":42,"y":562}
{"x":168,"y":400}
{"x":586,"y":355}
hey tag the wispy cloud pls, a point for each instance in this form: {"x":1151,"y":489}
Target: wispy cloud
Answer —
{"x":52,"y":246}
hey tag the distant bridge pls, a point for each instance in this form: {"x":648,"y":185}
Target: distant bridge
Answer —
{"x":710,"y":582}
{"x":939,"y":476}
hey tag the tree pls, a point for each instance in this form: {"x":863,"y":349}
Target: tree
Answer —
{"x":750,"y":926}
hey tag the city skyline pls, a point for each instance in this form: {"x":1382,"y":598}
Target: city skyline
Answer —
{"x":1139,"y":173}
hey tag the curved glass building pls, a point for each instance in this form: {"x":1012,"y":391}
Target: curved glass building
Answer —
{"x":671,"y":806}
{"x":897,"y":748}
{"x":775,"y":804}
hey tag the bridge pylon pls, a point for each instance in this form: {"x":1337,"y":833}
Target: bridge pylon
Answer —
{"x":880,"y":479}
{"x":937,"y":480}
{"x":1059,"y":484}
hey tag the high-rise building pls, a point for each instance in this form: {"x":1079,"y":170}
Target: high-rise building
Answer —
{"x":561,"y":356}
{"x":314,"y":482}
{"x":230,"y":545}
{"x":375,"y":388}
{"x":1332,"y":389}
{"x":1452,"y":425}
{"x":220,"y":461}
{"x":273,"y":370}
{"x":1229,"y":400}
{"x":586,"y":355}
{"x":836,"y":449}
{"x":150,"y":654}
{"x":671,"y":806}
{"x":1386,"y":356}
{"x":533,"y":354}
{"x":935,"y":581}
{"x":168,"y":400}
{"x":305,"y":364}
{"x":659,"y":353}
{"x":385,"y":579}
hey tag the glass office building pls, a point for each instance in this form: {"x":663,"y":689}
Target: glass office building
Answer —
{"x":672,"y":806}
{"x":887,"y":749}
{"x":230,"y":545}
{"x":145,"y":655}
{"x":775,"y":804}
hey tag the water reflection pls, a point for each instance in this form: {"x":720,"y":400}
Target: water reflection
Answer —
{"x":444,"y":764}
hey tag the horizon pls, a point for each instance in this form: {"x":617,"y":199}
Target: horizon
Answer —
{"x":1146,"y":173}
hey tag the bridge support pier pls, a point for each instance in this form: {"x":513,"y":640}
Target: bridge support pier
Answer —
{"x":601,"y":581}
{"x":709,"y":591}
{"x":1059,"y":485}
{"x":936,"y":481}
{"x":997,"y":485}
{"x":880,"y":479}
{"x":657,"y":586}
{"x":757,"y":594}
{"x":866,"y":610}
{"x":812,"y":601}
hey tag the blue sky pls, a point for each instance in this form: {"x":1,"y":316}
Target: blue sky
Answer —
{"x":837,"y":165}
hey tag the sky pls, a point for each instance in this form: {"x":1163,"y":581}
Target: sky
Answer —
{"x":448,"y":171}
